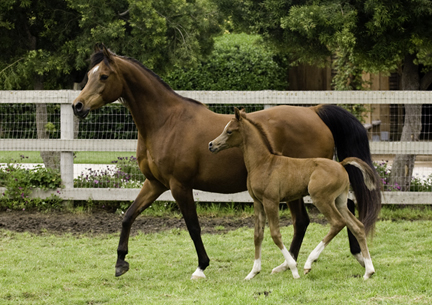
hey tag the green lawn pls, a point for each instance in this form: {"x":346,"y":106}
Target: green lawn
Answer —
{"x":93,"y":157}
{"x":71,"y":269}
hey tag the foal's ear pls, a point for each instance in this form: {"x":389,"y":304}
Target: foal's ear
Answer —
{"x":237,"y":114}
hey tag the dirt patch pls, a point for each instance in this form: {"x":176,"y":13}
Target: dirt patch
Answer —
{"x":103,"y":222}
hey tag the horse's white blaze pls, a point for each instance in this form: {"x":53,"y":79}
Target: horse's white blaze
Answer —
{"x":95,"y":69}
{"x":314,"y":256}
{"x":198,"y":274}
{"x":255,"y":269}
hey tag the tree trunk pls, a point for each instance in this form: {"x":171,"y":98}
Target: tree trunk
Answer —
{"x":403,"y":165}
{"x":51,"y":159}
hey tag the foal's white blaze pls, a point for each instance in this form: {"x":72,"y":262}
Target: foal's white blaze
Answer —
{"x":198,"y":274}
{"x":313,"y":256}
{"x":255,"y":269}
{"x":289,"y":263}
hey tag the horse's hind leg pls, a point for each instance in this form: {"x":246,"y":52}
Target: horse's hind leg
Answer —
{"x":301,"y":221}
{"x":150,"y":191}
{"x":272,"y":211}
{"x":354,"y":245}
{"x":337,"y":223}
{"x":260,"y":219}
{"x":358,"y":231}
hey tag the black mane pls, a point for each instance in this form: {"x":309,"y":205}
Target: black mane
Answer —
{"x":99,"y":56}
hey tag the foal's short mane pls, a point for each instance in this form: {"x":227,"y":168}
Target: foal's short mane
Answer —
{"x":99,"y":56}
{"x":263,"y":135}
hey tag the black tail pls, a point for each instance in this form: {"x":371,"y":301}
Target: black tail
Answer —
{"x":351,"y":141}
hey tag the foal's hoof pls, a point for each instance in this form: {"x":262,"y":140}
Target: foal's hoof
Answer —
{"x":306,"y":271}
{"x":368,"y":275}
{"x":121,"y":268}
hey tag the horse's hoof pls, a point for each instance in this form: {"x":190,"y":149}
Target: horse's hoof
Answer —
{"x":198,"y":275}
{"x":306,"y":271}
{"x":122,"y":268}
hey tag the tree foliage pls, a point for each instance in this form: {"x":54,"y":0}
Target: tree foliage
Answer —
{"x":372,"y":35}
{"x":52,"y":40}
{"x":238,"y":62}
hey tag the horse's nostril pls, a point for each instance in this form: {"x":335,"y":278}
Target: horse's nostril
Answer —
{"x":210,"y":144}
{"x":79,"y":106}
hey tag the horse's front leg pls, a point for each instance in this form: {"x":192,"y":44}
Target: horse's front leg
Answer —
{"x":150,"y":191}
{"x":184,"y":198}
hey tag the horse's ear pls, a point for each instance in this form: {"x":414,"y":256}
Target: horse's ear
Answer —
{"x":237,"y":113}
{"x":106,"y":52}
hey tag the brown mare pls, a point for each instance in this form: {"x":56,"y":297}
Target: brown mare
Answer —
{"x":274,"y":178}
{"x":172,"y":146}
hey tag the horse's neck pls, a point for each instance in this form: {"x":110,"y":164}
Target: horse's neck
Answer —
{"x":255,"y":150}
{"x":149,"y":101}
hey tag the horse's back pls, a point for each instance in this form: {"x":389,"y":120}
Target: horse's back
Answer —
{"x":296,"y":131}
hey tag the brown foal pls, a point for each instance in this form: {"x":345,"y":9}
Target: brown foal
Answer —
{"x":274,"y":178}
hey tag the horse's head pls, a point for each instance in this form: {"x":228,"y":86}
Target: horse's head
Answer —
{"x":230,"y":136}
{"x":103,"y":86}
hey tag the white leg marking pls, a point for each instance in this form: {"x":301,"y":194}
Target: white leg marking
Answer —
{"x":198,"y":274}
{"x":255,"y":269}
{"x":369,"y":268}
{"x":289,"y":263}
{"x":313,"y":256}
{"x":360,"y":259}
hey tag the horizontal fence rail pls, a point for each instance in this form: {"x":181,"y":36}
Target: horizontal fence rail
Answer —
{"x":66,"y":144}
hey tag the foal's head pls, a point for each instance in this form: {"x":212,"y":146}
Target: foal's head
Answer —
{"x":104,"y":83}
{"x":230,"y":136}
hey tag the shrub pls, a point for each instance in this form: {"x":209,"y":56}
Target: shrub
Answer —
{"x":20,"y":182}
{"x":238,"y":62}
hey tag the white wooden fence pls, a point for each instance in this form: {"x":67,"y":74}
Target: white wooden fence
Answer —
{"x":67,"y":144}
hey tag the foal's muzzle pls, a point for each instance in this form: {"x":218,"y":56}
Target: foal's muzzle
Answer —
{"x":213,"y":147}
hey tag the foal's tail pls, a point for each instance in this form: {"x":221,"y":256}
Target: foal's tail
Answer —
{"x":351,"y":140}
{"x":369,"y":177}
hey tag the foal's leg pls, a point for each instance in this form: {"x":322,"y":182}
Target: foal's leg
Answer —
{"x":260,"y":219}
{"x":272,"y":211}
{"x":337,"y":223}
{"x":184,"y":198}
{"x":358,"y":231}
{"x":150,"y":191}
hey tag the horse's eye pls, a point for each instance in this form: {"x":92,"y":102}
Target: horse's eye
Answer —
{"x":103,"y":77}
{"x":229,"y":132}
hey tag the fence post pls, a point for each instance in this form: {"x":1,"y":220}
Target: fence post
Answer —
{"x":66,"y":157}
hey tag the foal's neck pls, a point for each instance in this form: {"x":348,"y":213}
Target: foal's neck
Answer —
{"x":255,"y":146}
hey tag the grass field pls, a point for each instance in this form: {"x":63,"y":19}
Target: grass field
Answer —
{"x":93,"y":157}
{"x":67,"y":269}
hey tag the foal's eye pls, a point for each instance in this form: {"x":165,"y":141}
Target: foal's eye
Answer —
{"x":229,"y":132}
{"x":103,"y":77}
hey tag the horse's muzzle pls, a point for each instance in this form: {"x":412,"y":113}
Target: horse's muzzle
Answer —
{"x":79,"y":111}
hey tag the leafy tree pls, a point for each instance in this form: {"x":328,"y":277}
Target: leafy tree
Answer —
{"x":372,"y":36}
{"x":46,"y":43}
